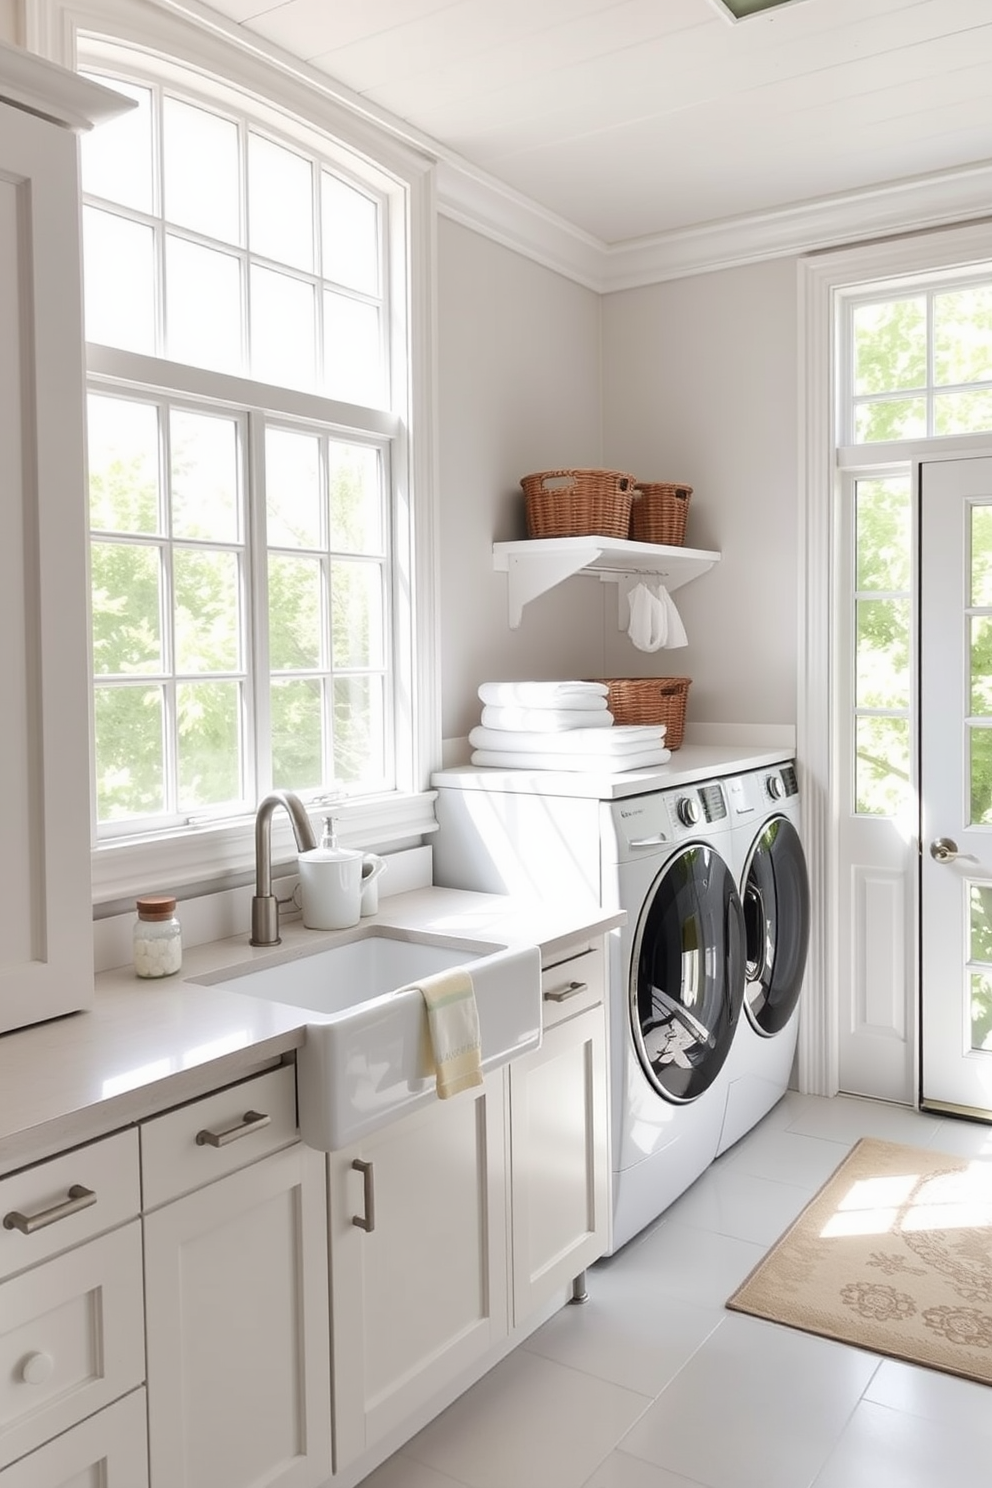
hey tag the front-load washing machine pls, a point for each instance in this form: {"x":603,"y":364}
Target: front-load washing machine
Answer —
{"x":678,"y":970}
{"x":676,"y":978}
{"x":774,"y":889}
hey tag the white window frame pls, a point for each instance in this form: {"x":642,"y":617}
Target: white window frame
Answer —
{"x":823,"y":724}
{"x":294,"y":96}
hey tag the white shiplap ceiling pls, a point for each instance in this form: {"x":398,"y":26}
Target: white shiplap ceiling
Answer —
{"x":630,"y":119}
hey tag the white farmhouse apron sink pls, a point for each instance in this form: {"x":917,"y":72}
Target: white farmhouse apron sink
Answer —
{"x":366,"y":1058}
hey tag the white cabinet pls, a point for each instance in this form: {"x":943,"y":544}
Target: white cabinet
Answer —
{"x":71,"y":1316}
{"x":109,"y":1449}
{"x":559,"y":1150}
{"x":45,"y":911}
{"x":418,"y":1261}
{"x":236,"y":1294}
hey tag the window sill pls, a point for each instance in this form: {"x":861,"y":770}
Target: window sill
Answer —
{"x":198,"y":856}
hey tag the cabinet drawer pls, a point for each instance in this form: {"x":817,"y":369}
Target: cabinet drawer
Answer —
{"x":45,"y":1201}
{"x":110,"y":1449}
{"x":210,"y":1138}
{"x":572,"y":986}
{"x":71,"y":1339}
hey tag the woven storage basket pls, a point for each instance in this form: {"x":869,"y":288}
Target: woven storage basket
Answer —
{"x":658,"y":512}
{"x":578,"y":503}
{"x":653,"y":700}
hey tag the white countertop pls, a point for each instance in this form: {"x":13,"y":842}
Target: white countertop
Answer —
{"x":149,"y":1045}
{"x":693,"y":762}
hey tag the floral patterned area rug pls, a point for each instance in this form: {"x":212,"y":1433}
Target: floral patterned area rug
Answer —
{"x":894,"y":1255}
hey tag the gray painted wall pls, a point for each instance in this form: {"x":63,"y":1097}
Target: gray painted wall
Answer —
{"x":519,"y":390}
{"x":700,"y":385}
{"x":693,"y":380}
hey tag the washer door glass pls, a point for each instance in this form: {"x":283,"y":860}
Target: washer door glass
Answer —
{"x":776,"y":925}
{"x":687,"y":973}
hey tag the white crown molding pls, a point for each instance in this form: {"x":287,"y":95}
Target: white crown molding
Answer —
{"x":487,"y":206}
{"x":467,"y":196}
{"x":470,"y":196}
{"x":42,"y":87}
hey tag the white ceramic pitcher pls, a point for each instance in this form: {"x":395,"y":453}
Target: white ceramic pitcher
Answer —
{"x":330,"y":883}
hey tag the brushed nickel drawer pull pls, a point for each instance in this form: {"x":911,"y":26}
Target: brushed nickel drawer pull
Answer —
{"x":564,"y":993}
{"x":251,"y":1121}
{"x":79,"y":1198}
{"x":368,"y":1193}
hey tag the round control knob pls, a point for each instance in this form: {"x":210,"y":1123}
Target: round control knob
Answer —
{"x":775,"y":787}
{"x":37,"y":1368}
{"x":688,"y":810}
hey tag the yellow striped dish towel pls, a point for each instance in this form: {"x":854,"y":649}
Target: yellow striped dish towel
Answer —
{"x":453,"y":1024}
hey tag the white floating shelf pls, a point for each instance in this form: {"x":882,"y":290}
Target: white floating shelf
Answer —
{"x":538,"y":564}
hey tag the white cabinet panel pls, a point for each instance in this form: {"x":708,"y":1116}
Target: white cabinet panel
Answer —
{"x":209,"y":1138}
{"x":46,"y":936}
{"x":93,"y":1189}
{"x":237,"y":1321}
{"x":559,"y":1159}
{"x":71,"y":1339}
{"x":420,"y":1295}
{"x":110,"y":1450}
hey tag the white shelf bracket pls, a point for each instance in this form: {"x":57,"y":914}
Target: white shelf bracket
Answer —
{"x":529,"y":575}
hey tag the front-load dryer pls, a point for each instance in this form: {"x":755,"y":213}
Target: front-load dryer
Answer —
{"x":774,"y":889}
{"x":678,"y":976}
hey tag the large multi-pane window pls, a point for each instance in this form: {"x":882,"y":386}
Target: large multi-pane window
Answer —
{"x":916,"y":364}
{"x":242,"y":454}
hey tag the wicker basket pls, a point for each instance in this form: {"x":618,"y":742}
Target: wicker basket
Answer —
{"x":578,"y":503}
{"x":658,"y":512}
{"x":654,"y":700}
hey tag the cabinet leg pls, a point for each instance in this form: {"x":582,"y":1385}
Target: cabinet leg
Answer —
{"x":580,"y":1292}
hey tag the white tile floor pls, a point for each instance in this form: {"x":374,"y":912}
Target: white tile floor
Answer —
{"x":654,"y":1384}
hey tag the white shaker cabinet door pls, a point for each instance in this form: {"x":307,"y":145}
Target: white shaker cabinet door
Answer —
{"x":46,"y":947}
{"x":109,"y":1450}
{"x":237,"y":1330}
{"x":418,"y":1262}
{"x":559,"y":1160}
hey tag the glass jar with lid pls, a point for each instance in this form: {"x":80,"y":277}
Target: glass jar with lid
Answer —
{"x":158,"y":939}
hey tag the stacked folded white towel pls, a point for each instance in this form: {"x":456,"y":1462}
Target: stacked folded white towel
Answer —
{"x":560,"y":726}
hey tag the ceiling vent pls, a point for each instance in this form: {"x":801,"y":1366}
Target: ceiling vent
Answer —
{"x":741,"y":10}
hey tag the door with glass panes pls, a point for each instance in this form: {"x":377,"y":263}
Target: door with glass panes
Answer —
{"x":956,"y":783}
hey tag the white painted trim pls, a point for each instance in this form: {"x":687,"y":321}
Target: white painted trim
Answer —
{"x":924,"y":202}
{"x":479,"y":201}
{"x":817,"y":1064}
{"x":468,"y":196}
{"x":203,"y":855}
{"x":43,"y":87}
{"x":820,"y":278}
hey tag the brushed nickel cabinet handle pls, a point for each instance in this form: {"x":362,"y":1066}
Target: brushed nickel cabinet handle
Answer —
{"x":564,"y":993}
{"x":366,"y":1223}
{"x":251,"y":1121}
{"x":79,"y":1198}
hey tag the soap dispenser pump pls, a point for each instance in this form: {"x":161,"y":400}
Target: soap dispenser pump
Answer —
{"x":330,"y":883}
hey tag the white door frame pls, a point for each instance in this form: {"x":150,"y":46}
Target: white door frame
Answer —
{"x":819,"y":728}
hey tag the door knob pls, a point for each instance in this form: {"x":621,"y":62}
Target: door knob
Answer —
{"x":943,"y":850}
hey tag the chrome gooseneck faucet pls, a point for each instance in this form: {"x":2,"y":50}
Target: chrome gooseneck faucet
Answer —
{"x":264,"y":904}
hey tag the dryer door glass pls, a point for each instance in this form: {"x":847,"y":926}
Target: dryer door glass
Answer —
{"x":687,"y":973}
{"x":776,"y":925}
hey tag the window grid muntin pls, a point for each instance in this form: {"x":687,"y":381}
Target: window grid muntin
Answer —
{"x":330,"y":672}
{"x":162,"y":227}
{"x":168,"y":677}
{"x":333,"y":164}
{"x":253,"y":677}
{"x":859,"y":711}
{"x":928,"y":287}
